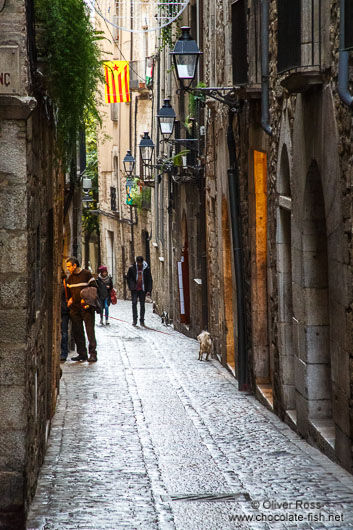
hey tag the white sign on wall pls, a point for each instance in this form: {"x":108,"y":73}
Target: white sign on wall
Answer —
{"x":9,"y":70}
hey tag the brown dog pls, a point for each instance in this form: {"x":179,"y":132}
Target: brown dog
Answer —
{"x":206,"y":344}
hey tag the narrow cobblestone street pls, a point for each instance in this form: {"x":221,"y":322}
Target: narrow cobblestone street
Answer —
{"x":151,"y":438}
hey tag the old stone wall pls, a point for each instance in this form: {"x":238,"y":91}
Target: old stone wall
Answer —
{"x":308,"y":155}
{"x":218,"y":72}
{"x":31,"y":196}
{"x":315,"y":130}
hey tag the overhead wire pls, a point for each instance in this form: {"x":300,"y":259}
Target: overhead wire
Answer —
{"x":183,"y":4}
{"x":114,"y":40}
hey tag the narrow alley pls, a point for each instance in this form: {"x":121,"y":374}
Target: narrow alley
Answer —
{"x":151,"y":438}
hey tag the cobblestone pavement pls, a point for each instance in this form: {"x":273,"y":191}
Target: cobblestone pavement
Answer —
{"x":151,"y":438}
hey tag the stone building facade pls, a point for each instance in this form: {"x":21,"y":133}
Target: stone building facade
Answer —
{"x":124,"y":228}
{"x":31,"y":193}
{"x":178,"y":251}
{"x":311,"y":187}
{"x":251,"y":237}
{"x":293,"y":145}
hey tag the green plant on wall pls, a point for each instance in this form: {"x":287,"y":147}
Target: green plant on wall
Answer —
{"x":194,"y":101}
{"x":140,"y":195}
{"x":178,"y":158}
{"x":68,"y":48}
{"x":90,"y":221}
{"x":169,"y":34}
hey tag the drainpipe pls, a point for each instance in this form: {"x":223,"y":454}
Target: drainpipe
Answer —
{"x":234,"y":200}
{"x":135,"y":126}
{"x":265,"y":115}
{"x":343,"y":64}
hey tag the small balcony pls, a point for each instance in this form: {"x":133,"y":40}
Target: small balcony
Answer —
{"x":299,"y":59}
{"x":141,"y":75}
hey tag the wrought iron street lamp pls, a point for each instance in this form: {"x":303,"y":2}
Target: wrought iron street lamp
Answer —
{"x":129,"y":163}
{"x":86,"y":199}
{"x":166,"y":119}
{"x":86,"y":187}
{"x":146,"y":150}
{"x":186,"y":56}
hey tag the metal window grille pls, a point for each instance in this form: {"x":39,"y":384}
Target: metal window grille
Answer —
{"x":137,"y":74}
{"x":239,"y":42}
{"x":113,"y":199}
{"x":348,"y":24}
{"x":114,"y":111}
{"x":141,"y":73}
{"x":289,"y":34}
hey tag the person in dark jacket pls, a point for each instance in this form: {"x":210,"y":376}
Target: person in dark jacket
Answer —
{"x":80,"y":312}
{"x":139,"y":280}
{"x":65,"y":317}
{"x":105,"y":285}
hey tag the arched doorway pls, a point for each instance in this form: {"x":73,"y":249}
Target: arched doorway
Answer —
{"x":262,"y":361}
{"x":317,"y":356}
{"x":183,"y":276}
{"x":284,"y":283}
{"x":230,"y":357}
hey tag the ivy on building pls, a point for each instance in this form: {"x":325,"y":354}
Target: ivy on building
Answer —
{"x":170,"y":33}
{"x":90,"y":222}
{"x":68,"y":50}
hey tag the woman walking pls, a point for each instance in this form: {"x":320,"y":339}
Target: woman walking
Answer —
{"x":105,"y":285}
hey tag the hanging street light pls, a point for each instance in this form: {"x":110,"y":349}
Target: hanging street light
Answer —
{"x":86,"y":199}
{"x":186,"y":55}
{"x":166,"y":119}
{"x":86,"y":187}
{"x":146,"y":150}
{"x":129,"y":163}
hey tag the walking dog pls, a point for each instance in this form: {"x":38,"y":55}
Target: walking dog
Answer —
{"x":206,"y":344}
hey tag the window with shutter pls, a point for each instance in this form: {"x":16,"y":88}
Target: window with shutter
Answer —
{"x":289,"y":34}
{"x":113,"y":199}
{"x":348,"y":24}
{"x":239,"y":43}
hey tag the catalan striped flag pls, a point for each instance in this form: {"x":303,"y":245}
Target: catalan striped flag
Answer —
{"x":116,"y":81}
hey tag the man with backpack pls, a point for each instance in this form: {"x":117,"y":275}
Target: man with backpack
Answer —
{"x":139,"y":280}
{"x":80,"y":311}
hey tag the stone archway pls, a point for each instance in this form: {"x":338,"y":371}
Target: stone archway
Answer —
{"x":321,"y":329}
{"x":228,"y":288}
{"x":316,"y":316}
{"x":183,"y":275}
{"x":284,"y":283}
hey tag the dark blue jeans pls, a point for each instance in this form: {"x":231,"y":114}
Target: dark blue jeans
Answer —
{"x":138,"y":295}
{"x":106,"y":307}
{"x":65,"y":335}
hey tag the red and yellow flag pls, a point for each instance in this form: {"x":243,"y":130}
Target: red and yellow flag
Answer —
{"x":116,"y":81}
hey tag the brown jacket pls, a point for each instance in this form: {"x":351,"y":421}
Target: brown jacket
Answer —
{"x":75,"y":284}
